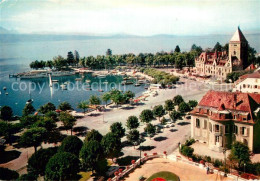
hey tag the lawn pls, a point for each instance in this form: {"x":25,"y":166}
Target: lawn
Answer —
{"x":165,"y":175}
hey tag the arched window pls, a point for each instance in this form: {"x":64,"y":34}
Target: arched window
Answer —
{"x":234,"y":52}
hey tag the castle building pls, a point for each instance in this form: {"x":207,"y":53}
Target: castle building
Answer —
{"x":221,"y":118}
{"x":219,"y":64}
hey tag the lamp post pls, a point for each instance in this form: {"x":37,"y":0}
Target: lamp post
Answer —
{"x":244,"y":167}
{"x":224,"y":152}
{"x":140,"y":148}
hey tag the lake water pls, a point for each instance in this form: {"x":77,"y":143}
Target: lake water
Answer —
{"x":16,"y":52}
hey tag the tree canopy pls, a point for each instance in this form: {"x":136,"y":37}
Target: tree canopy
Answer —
{"x":93,"y":135}
{"x":68,"y":120}
{"x":28,"y":109}
{"x":178,"y":99}
{"x":146,"y":116}
{"x":111,"y":145}
{"x":47,"y":108}
{"x":158,"y":111}
{"x":132,"y":122}
{"x":117,"y":129}
{"x":65,"y":106}
{"x":6,"y":113}
{"x":71,"y":144}
{"x":62,"y":166}
{"x":240,"y":153}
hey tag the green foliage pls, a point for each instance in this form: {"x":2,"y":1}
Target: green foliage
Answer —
{"x":117,"y":96}
{"x":217,"y":47}
{"x":62,"y":166}
{"x":38,"y":161}
{"x":94,"y":100}
{"x":8,"y":129}
{"x":71,"y":144}
{"x":192,"y":103}
{"x":150,"y":129}
{"x":83,"y":105}
{"x":133,"y":136}
{"x":187,"y":151}
{"x":68,"y":120}
{"x":128,"y":95}
{"x":47,"y":108}
{"x":93,"y":135}
{"x":101,"y":167}
{"x":217,"y":163}
{"x":184,"y":107}
{"x":111,"y":145}
{"x":90,"y":153}
{"x":161,"y":76}
{"x":65,"y":106}
{"x":178,"y":99}
{"x":33,"y":137}
{"x":106,"y":97}
{"x":7,"y":174}
{"x":28,"y":109}
{"x":6,"y":113}
{"x":108,"y":52}
{"x":117,"y":129}
{"x":28,"y":121}
{"x":169,"y":105}
{"x":158,"y":111}
{"x":28,"y":177}
{"x":132,"y":122}
{"x":177,"y":49}
{"x":233,"y":76}
{"x":47,"y":123}
{"x":164,"y":121}
{"x":146,"y":116}
{"x":53,"y":115}
{"x":175,"y":115}
{"x":189,"y":142}
{"x":240,"y":153}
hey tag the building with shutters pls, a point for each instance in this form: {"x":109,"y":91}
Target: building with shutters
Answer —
{"x":224,"y":117}
{"x":219,"y":64}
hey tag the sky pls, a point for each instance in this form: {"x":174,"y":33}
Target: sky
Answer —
{"x":136,"y":17}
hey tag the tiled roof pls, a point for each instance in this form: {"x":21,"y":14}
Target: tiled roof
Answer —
{"x":255,"y":74}
{"x":231,"y":100}
{"x":238,"y":36}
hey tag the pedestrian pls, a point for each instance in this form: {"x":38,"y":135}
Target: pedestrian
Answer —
{"x":208,"y":170}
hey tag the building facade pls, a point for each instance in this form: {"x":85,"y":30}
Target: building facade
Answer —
{"x":249,"y":83}
{"x":224,"y":117}
{"x":219,"y":64}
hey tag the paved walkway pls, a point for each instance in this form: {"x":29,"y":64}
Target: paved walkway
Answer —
{"x":203,"y":150}
{"x":183,"y":170}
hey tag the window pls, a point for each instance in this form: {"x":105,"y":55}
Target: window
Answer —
{"x":244,"y":131}
{"x":217,"y":139}
{"x":235,"y":129}
{"x":216,"y":128}
{"x":234,"y":52}
{"x":210,"y":127}
{"x":197,"y":123}
{"x":205,"y":124}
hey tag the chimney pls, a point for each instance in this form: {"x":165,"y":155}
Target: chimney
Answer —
{"x":235,"y":100}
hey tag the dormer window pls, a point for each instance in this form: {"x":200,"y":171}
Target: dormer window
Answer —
{"x":234,"y":52}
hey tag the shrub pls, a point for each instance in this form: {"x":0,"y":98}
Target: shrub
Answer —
{"x":187,"y":151}
{"x":71,"y":144}
{"x":189,"y":142}
{"x":217,"y":163}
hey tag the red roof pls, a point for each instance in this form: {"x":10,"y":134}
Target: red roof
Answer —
{"x":251,"y":67}
{"x":231,"y":100}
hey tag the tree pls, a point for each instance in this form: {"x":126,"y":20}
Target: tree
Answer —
{"x":158,"y":111}
{"x":146,"y":116}
{"x":129,"y":95}
{"x":111,"y":145}
{"x":65,"y":106}
{"x":178,"y":99}
{"x":93,"y":135}
{"x":70,"y":58}
{"x":106,"y":97}
{"x":68,"y":121}
{"x":108,"y":52}
{"x":175,"y":115}
{"x":169,"y":105}
{"x":217,"y":47}
{"x":62,"y":166}
{"x":38,"y":161}
{"x":90,"y":153}
{"x":102,"y":167}
{"x":117,"y":129}
{"x":76,"y":57}
{"x":71,"y":144}
{"x":33,"y":137}
{"x":132,"y":122}
{"x":179,"y":61}
{"x":29,"y":177}
{"x":150,"y":129}
{"x":184,"y":107}
{"x":48,"y":123}
{"x":83,"y":105}
{"x":192,"y":103}
{"x":47,"y":108}
{"x":240,"y":153}
{"x":117,"y":97}
{"x":177,"y":49}
{"x":94,"y":100}
{"x":133,"y":136}
{"x":53,"y":115}
{"x":28,"y":109}
{"x":6,"y":113}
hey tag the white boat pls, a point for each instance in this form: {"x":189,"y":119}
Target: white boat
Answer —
{"x":101,"y":76}
{"x":106,"y":82}
{"x":6,"y":93}
{"x":55,"y":80}
{"x":44,"y":74}
{"x":4,"y":88}
{"x":88,"y":81}
{"x":137,"y":84}
{"x":29,"y":101}
{"x":78,"y":79}
{"x":63,"y":86}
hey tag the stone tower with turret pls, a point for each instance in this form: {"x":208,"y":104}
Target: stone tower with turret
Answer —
{"x":238,"y":50}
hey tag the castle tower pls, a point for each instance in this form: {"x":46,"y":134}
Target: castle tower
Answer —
{"x":238,"y":50}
